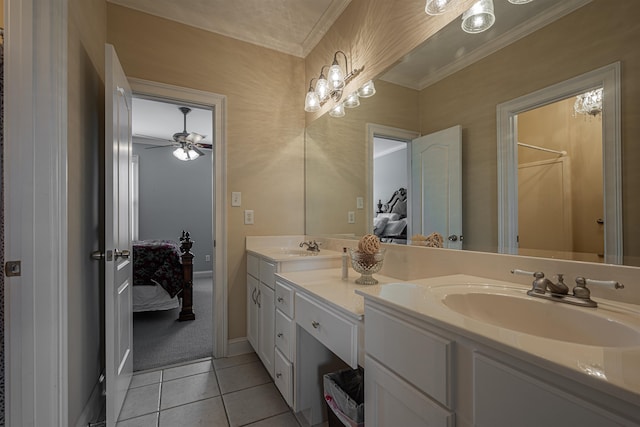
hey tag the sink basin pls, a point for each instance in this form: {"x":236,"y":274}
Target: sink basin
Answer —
{"x":547,"y":319}
{"x":296,"y":252}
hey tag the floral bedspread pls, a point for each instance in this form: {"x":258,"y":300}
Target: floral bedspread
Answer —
{"x":157,"y":262}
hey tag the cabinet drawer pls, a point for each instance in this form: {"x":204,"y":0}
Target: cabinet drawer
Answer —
{"x":427,"y":365}
{"x":284,"y":334}
{"x":253,"y":265}
{"x":268,"y":273}
{"x":283,"y":377}
{"x":284,"y":299}
{"x":334,"y":331}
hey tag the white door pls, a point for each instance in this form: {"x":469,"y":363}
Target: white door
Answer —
{"x":436,"y":185}
{"x":118,"y":277}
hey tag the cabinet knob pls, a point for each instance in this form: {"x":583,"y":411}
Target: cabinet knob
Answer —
{"x":279,"y":335}
{"x":315,"y":324}
{"x":278,"y":375}
{"x":280,"y":299}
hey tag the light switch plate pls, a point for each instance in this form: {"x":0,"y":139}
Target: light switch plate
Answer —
{"x":351,"y":217}
{"x":236,"y":198}
{"x":360,"y":202}
{"x":248,"y":217}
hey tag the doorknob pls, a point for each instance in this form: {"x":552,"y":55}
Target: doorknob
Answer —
{"x":453,"y":238}
{"x":97,"y":255}
{"x":121,"y":254}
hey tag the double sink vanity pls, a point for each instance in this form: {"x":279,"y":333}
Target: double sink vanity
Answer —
{"x":449,"y":350}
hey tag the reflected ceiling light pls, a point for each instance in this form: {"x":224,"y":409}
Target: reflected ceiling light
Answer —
{"x":436,"y":7}
{"x":589,"y":103}
{"x":352,"y":100}
{"x":185,"y":153}
{"x":479,"y":17}
{"x":331,"y":87}
{"x":519,"y":1}
{"x":368,"y":89}
{"x":337,"y":111}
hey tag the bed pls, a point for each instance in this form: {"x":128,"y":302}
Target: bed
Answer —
{"x":162,"y":275}
{"x":390,"y":222}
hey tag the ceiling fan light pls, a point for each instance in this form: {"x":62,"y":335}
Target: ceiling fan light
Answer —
{"x":436,"y":7}
{"x":479,"y":17}
{"x":181,"y":154}
{"x":192,"y":154}
{"x":368,"y":89}
{"x":337,"y":111}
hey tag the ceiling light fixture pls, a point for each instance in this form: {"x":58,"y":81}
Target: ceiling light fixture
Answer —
{"x":479,"y":17}
{"x":589,"y":103}
{"x":332,"y":85}
{"x":188,"y":149}
{"x":436,"y":7}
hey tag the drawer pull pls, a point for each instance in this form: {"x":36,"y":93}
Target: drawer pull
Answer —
{"x":280,"y":335}
{"x":315,"y":324}
{"x":280,"y":299}
{"x":278,"y":375}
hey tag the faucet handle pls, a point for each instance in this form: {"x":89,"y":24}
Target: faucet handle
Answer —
{"x":581,"y":281}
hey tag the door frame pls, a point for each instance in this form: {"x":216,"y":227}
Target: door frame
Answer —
{"x":507,"y":127}
{"x":218,"y":105}
{"x":36,"y":343}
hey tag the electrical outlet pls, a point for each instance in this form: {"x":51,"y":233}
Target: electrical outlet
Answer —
{"x":207,"y":258}
{"x":236,"y":198}
{"x":360,"y":202}
{"x":248,"y":217}
{"x":351,"y":217}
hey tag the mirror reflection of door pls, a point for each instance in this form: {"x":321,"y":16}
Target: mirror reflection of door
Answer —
{"x":560,"y":184}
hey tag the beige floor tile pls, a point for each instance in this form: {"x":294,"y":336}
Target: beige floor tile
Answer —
{"x":242,"y":376}
{"x":147,"y":378}
{"x":189,"y":389}
{"x":227,"y":362}
{"x":209,"y":413}
{"x":186,"y":370}
{"x":254,"y":404}
{"x":140,"y":401}
{"x":283,"y":420}
{"x":149,"y":420}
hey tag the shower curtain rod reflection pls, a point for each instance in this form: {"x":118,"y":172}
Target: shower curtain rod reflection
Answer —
{"x":535,"y":147}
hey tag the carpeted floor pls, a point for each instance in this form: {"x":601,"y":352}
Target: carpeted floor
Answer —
{"x":160,"y":340}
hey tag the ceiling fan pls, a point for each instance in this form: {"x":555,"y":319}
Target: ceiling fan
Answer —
{"x":188,"y":144}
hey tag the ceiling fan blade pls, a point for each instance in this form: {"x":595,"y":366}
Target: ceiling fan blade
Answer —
{"x":150,"y":138}
{"x":194,"y":148}
{"x":204,"y":145}
{"x":160,"y":146}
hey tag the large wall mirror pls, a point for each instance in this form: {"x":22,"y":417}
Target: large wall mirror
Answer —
{"x":456,"y":78}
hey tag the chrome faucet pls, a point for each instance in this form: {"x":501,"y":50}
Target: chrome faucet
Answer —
{"x":312,"y":245}
{"x":581,"y":295}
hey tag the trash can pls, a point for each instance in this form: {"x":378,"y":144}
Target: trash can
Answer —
{"x":344,"y":396}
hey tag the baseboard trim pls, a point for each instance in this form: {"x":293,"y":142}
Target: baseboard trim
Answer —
{"x":238,"y":346}
{"x":93,"y":409}
{"x":202,"y":274}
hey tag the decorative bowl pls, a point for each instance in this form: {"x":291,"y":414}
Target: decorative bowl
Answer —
{"x":366,"y":265}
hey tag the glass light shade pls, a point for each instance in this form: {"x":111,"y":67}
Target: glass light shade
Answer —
{"x":436,"y":7}
{"x":589,"y":103}
{"x":352,"y":100}
{"x":322,"y":89}
{"x":311,"y":102}
{"x":479,"y":17}
{"x":337,"y":111}
{"x":194,"y":137}
{"x":336,"y":77}
{"x":192,"y":154}
{"x":519,"y":1}
{"x":181,"y":154}
{"x":367,"y":90}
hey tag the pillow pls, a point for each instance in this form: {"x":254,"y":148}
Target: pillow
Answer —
{"x":400,"y":208}
{"x":389,"y":216}
{"x":395,"y":228}
{"x":379,"y":223}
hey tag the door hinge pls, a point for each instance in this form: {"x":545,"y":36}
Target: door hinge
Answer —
{"x":12,"y":269}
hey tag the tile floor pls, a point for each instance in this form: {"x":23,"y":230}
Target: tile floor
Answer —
{"x":235,"y":391}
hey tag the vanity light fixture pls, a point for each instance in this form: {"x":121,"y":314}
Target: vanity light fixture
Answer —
{"x":337,"y":111}
{"x":436,"y":7}
{"x":589,"y":103}
{"x":519,"y":1}
{"x":331,"y":87}
{"x":479,"y":17}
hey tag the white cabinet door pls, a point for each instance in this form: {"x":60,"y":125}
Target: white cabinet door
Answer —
{"x":266,"y":326}
{"x":252,"y":311}
{"x":391,"y":402}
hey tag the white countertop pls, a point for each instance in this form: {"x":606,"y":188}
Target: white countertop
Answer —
{"x":593,"y":365}
{"x":327,"y":286}
{"x":285,"y":254}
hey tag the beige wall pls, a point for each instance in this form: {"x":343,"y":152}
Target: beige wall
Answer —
{"x":557,"y":52}
{"x":265,"y":123}
{"x":555,"y":126}
{"x":87,"y":33}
